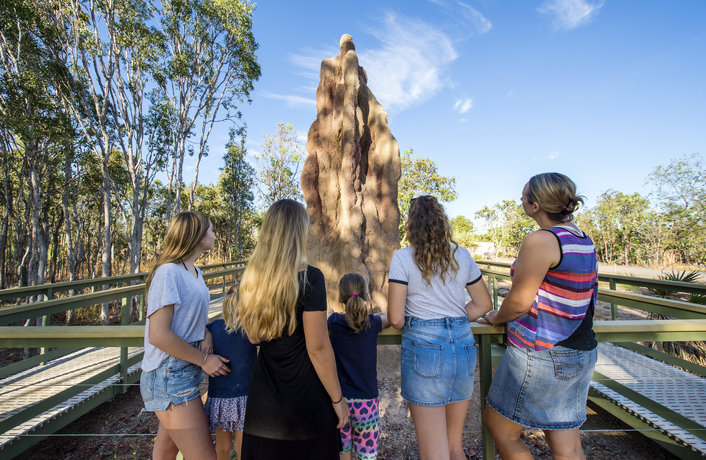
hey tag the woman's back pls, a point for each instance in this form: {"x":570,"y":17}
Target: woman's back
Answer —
{"x":285,"y":385}
{"x":443,"y":296}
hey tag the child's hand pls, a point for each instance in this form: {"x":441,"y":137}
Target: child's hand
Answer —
{"x":215,"y":365}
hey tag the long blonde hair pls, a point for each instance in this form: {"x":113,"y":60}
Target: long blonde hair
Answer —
{"x":353,"y":293}
{"x":184,"y":235}
{"x":270,"y":285}
{"x":429,"y":233}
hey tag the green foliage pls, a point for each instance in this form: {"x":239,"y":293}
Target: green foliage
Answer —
{"x":506,"y":225}
{"x":420,"y":176}
{"x":462,"y":231}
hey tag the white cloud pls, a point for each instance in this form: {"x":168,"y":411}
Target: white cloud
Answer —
{"x":553,"y":155}
{"x":470,"y":14}
{"x":292,"y":100}
{"x":463,"y":105}
{"x":410,"y":65}
{"x":570,"y":14}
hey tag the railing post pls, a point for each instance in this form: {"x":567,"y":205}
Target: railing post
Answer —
{"x":141,"y":313}
{"x":46,"y":320}
{"x":124,"y":320}
{"x":613,"y":307}
{"x":486,"y":376}
{"x":495,"y":292}
{"x":223,"y":288}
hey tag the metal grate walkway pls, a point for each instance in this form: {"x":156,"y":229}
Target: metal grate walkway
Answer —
{"x":672,"y":388}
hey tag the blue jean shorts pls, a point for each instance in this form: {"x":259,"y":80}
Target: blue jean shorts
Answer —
{"x":173,"y":382}
{"x":546,"y":389}
{"x":438,"y":361}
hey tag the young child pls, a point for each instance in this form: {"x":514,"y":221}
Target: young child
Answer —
{"x":354,"y":341}
{"x":227,"y":394}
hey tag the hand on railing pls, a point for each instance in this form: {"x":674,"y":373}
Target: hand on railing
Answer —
{"x":215,"y":365}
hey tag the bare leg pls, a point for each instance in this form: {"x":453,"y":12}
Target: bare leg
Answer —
{"x":430,"y":426}
{"x":455,"y":421}
{"x":238,"y":443}
{"x":224,"y":439}
{"x":507,"y":436}
{"x":164,"y":448}
{"x":187,"y":426}
{"x":565,"y":444}
{"x":346,"y":455}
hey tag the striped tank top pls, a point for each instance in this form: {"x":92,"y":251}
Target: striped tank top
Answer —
{"x":564,"y":298}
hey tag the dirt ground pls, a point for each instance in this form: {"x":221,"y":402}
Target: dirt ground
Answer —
{"x":122,"y":432}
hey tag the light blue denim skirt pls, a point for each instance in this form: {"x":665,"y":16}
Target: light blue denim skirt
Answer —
{"x":173,"y":382}
{"x":438,"y":361}
{"x":546,"y":389}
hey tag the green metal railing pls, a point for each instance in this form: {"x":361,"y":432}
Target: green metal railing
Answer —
{"x":50,"y":289}
{"x":690,"y":325}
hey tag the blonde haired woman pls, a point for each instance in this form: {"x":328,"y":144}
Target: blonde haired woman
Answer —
{"x":549,"y":314}
{"x":428,"y":286}
{"x":175,"y":350}
{"x":295,"y":404}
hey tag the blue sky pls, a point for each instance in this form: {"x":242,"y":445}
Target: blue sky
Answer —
{"x":496,"y":91}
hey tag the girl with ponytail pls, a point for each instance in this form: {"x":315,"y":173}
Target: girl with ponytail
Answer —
{"x":354,"y":340}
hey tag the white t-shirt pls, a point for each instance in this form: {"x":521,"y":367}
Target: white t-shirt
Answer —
{"x":173,"y":284}
{"x":441,"y":298}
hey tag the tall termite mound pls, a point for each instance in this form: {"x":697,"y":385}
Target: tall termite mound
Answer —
{"x":350,"y":179}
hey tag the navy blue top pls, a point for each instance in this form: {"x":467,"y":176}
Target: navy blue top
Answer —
{"x":241,"y":353}
{"x":356,"y":356}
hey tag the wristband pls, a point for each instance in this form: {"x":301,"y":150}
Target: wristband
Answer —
{"x":339,"y":400}
{"x":205,"y":358}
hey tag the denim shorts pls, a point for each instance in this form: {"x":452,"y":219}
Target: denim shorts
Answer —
{"x":438,"y":361}
{"x":173,"y":382}
{"x":545,"y":389}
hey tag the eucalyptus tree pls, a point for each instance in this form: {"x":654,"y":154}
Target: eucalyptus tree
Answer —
{"x":681,"y":191}
{"x":278,"y":166}
{"x":32,"y":121}
{"x":237,"y":182}
{"x":209,"y":69}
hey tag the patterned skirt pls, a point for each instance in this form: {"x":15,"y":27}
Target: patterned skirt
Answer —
{"x":227,"y":414}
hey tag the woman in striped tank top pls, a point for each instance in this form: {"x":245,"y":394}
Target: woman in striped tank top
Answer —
{"x":542,"y":381}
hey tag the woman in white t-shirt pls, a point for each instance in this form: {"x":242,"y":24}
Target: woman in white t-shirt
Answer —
{"x":428,"y":286}
{"x":175,"y":349}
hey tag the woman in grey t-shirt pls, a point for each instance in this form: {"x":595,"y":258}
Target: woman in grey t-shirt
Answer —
{"x":428,"y":286}
{"x":175,"y":350}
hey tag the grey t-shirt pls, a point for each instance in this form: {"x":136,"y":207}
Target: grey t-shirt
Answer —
{"x":441,"y":298}
{"x":172,"y":284}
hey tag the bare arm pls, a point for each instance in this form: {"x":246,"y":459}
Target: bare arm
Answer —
{"x":161,"y":336}
{"x":385,"y":321}
{"x":480,"y":302}
{"x":539,"y":251}
{"x":318,"y":346}
{"x":396,"y":297}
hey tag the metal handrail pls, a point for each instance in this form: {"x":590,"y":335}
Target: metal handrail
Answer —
{"x":652,"y":283}
{"x":49,"y":289}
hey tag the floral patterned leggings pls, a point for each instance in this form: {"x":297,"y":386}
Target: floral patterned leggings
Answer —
{"x":363,"y":429}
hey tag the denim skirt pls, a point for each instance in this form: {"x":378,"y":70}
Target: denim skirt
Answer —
{"x":173,"y":382}
{"x":438,"y":361}
{"x":545,"y":389}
